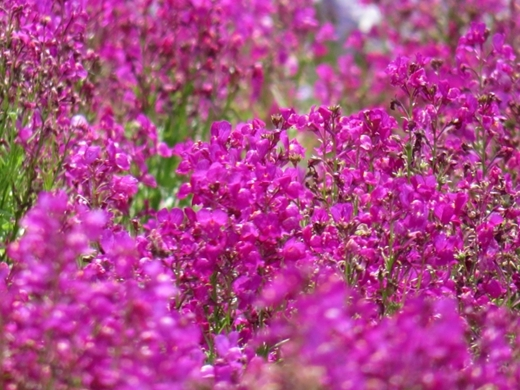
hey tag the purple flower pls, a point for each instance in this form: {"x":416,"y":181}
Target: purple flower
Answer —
{"x":293,"y":250}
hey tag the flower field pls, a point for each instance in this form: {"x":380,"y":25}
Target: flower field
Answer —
{"x":271,"y":195}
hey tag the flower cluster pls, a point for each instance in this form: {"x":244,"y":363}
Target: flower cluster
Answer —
{"x":193,"y":59}
{"x":356,"y":78}
{"x":69,"y":319}
{"x":42,"y":85}
{"x":184,"y":64}
{"x":426,"y":345}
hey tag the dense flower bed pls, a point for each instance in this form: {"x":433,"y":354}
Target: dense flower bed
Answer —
{"x":177,"y":211}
